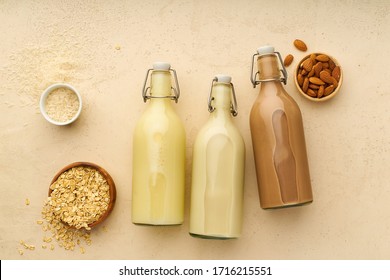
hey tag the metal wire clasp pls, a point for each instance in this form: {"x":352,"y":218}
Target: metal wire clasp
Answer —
{"x":176,"y":91}
{"x":233,"y":105}
{"x":254,"y":75}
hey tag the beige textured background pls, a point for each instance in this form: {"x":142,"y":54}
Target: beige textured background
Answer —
{"x":103,"y":48}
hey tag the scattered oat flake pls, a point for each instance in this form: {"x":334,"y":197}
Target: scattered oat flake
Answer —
{"x":51,"y":247}
{"x":44,"y":246}
{"x":47,"y":239}
{"x":20,"y":252}
{"x":27,"y":201}
{"x":39,"y":222}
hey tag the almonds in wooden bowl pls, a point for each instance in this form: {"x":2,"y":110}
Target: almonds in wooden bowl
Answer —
{"x":318,"y":77}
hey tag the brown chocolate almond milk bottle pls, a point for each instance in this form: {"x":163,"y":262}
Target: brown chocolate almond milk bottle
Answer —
{"x":278,"y":139}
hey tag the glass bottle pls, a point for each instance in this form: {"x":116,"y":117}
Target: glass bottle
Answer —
{"x":278,"y":139}
{"x":218,"y":168}
{"x":159,"y":154}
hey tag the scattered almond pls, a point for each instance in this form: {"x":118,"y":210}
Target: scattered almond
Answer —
{"x":288,"y":60}
{"x":300,"y":45}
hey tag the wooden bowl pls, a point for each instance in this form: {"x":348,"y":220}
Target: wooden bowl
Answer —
{"x":324,"y":98}
{"x":105,"y":174}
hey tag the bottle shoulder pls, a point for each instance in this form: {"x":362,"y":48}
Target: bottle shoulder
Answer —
{"x":214,"y":128}
{"x":153,"y":119}
{"x":263,"y":111}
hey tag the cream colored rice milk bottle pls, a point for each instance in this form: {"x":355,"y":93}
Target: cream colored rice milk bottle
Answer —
{"x":159,"y":154}
{"x":278,"y":138}
{"x":218,"y":169}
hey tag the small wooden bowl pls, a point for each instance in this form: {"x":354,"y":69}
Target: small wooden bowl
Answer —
{"x":316,"y":99}
{"x":106,"y":175}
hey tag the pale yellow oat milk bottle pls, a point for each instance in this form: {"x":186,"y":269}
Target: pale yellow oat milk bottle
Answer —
{"x":159,"y":153}
{"x":218,"y":168}
{"x":277,"y":136}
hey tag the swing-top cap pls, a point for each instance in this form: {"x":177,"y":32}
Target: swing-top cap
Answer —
{"x":265,"y":50}
{"x":221,"y":78}
{"x":161,"y":66}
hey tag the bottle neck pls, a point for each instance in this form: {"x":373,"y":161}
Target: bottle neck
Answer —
{"x":222,"y":100}
{"x":160,"y":84}
{"x":269,"y":70}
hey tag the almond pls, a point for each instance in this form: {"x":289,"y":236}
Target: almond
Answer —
{"x":316,"y":81}
{"x":336,"y":73}
{"x":313,"y":58}
{"x":320,"y":92}
{"x":305,"y":85}
{"x":288,"y":59}
{"x":307,"y":65}
{"x":317,"y":68}
{"x":327,"y":70}
{"x":300,"y":45}
{"x":326,"y":77}
{"x":334,"y":82}
{"x":300,"y":79}
{"x":332,"y":65}
{"x":328,"y":90}
{"x":311,"y":73}
{"x":311,"y":93}
{"x":322,"y":57}
{"x":313,"y":86}
{"x":325,"y":65}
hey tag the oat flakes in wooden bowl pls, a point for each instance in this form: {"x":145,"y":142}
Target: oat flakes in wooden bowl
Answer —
{"x":82,"y":195}
{"x":318,"y":77}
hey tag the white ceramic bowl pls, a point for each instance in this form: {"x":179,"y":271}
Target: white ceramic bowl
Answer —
{"x":45,"y":94}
